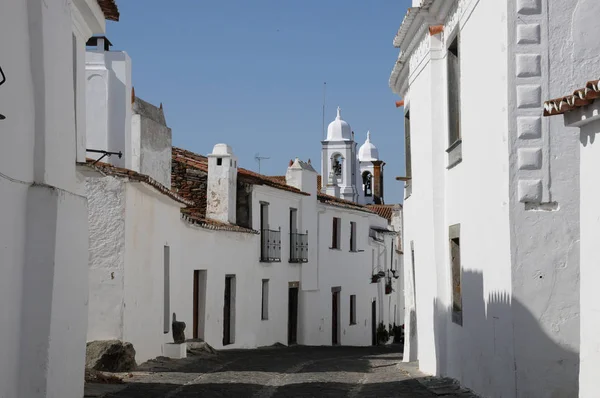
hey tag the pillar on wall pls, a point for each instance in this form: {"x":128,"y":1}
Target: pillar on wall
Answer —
{"x":378,"y":181}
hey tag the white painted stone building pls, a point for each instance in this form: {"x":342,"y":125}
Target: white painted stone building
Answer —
{"x":582,"y":109}
{"x":246,"y":260}
{"x":43,"y":220}
{"x":491,"y":211}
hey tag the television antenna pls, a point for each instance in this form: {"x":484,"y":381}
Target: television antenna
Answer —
{"x":259,"y":158}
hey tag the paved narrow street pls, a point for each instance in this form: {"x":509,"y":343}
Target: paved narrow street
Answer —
{"x":282,"y":372}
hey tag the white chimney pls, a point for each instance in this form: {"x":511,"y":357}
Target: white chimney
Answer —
{"x":108,"y":102}
{"x":221,"y":189}
{"x":302,"y":175}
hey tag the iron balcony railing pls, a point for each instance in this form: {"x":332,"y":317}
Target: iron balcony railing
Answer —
{"x":298,"y":247}
{"x":270,"y":245}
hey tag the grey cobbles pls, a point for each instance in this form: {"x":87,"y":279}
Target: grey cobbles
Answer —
{"x":284,"y":372}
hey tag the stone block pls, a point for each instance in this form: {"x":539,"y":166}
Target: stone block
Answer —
{"x":530,"y":158}
{"x":529,"y":127}
{"x":529,"y":34}
{"x":529,"y":65}
{"x":175,"y":351}
{"x":530,"y":191}
{"x":529,"y":96}
{"x":529,"y":7}
{"x":110,"y":356}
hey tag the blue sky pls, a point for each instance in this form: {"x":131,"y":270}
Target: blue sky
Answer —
{"x":251,"y":73}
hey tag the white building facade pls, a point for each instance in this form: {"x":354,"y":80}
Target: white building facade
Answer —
{"x":245,"y":260}
{"x":491,"y":215}
{"x":43,"y":219}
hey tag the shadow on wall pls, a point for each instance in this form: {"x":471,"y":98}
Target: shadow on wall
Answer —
{"x":480,"y":353}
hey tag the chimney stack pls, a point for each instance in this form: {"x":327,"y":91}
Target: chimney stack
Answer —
{"x":221,"y":188}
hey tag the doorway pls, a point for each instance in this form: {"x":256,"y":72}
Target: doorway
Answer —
{"x":199,"y":304}
{"x":374,"y":322}
{"x":335,"y":315}
{"x":293,"y":314}
{"x":229,"y":310}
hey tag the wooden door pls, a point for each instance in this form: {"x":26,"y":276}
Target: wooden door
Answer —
{"x":334,"y":318}
{"x":293,"y":315}
{"x":374,"y":322}
{"x":227,"y":312}
{"x":196,"y":300}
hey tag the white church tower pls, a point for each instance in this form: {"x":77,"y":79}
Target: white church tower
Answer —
{"x":339,"y":161}
{"x":371,"y":172}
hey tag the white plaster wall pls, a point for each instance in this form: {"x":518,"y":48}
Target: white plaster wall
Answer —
{"x":351,"y":271}
{"x":43,"y":227}
{"x":520,"y":274}
{"x":590,"y":232}
{"x":213,"y":251}
{"x":106,"y":214}
{"x":545,"y":244}
{"x":480,"y":352}
{"x":151,"y":222}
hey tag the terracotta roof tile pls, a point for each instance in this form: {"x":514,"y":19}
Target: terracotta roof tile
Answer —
{"x":189,"y":174}
{"x":580,"y":98}
{"x":346,"y":204}
{"x":110,"y":9}
{"x":111,"y":170}
{"x":247,"y":176}
{"x":193,"y":218}
{"x":385,"y":211}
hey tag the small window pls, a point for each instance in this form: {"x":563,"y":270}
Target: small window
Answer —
{"x":453,"y":93}
{"x":454,"y":235}
{"x":336,"y":232}
{"x":353,"y":309}
{"x":219,"y":161}
{"x":352,"y":236}
{"x":265,"y":300}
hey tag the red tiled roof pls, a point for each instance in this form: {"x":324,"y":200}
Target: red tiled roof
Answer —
{"x":192,"y":186}
{"x":114,"y":171}
{"x":346,"y":204}
{"x":384,"y":211}
{"x":580,"y":98}
{"x":110,"y":9}
{"x":192,"y":217}
{"x":247,"y":176}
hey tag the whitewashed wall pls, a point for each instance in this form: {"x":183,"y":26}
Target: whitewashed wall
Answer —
{"x":106,"y":214}
{"x":130,"y":223}
{"x":43,"y":226}
{"x":351,"y":271}
{"x":587,"y":120}
{"x":512,"y":195}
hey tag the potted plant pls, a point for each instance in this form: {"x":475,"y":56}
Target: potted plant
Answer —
{"x":382,"y":334}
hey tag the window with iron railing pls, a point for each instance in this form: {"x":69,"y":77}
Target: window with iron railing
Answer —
{"x":298,"y":247}
{"x":270,"y":245}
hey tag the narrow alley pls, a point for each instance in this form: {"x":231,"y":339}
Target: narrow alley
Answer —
{"x":281,"y":372}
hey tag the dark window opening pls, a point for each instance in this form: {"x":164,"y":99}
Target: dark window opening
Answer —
{"x":336,"y":232}
{"x":353,"y":309}
{"x":219,"y":161}
{"x":456,"y":274}
{"x":453,"y":92}
{"x":367,"y":183}
{"x":352,"y":236}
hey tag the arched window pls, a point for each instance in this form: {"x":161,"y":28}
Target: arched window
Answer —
{"x":367,"y":179}
{"x":337,"y":161}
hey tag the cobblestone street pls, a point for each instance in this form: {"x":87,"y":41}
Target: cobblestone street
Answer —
{"x":282,"y":372}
